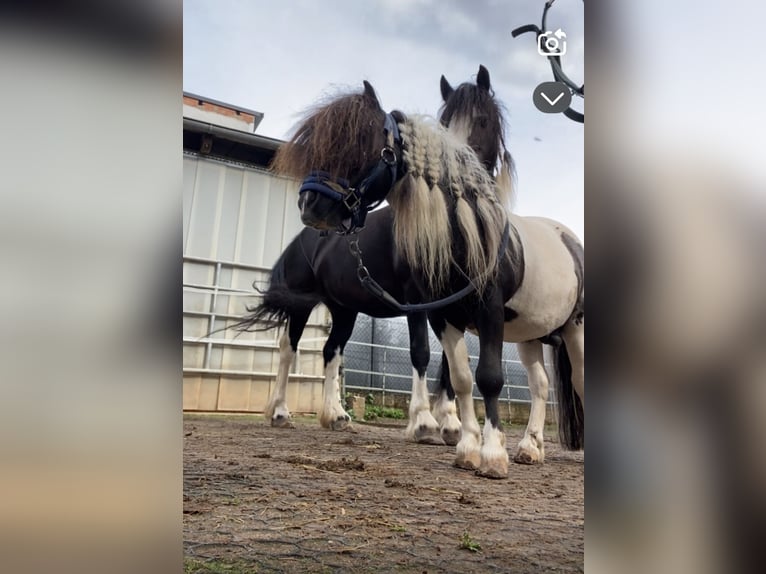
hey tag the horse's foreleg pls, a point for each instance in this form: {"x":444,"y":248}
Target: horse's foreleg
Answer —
{"x":422,"y":426}
{"x":276,"y":409}
{"x":489,"y":379}
{"x":445,"y":409}
{"x":532,"y":447}
{"x":468,"y":452}
{"x":333,"y":415}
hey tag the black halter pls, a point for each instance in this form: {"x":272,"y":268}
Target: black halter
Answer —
{"x":369,"y":193}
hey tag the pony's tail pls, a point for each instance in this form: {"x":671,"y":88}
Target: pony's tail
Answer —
{"x":267,"y":315}
{"x":278,"y":304}
{"x":571,"y":416}
{"x":276,"y":308}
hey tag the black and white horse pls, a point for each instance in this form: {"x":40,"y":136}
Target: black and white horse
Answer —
{"x":451,"y":232}
{"x":547,"y":306}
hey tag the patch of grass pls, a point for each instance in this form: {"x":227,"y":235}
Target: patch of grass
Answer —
{"x":372,"y":412}
{"x":468,"y":543}
{"x":398,"y":528}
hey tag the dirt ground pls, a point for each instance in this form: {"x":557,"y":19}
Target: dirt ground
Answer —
{"x":259,"y":499}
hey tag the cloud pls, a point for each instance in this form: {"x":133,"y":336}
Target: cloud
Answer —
{"x":278,"y":58}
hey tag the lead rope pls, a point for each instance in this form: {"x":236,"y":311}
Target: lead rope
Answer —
{"x":374,"y":287}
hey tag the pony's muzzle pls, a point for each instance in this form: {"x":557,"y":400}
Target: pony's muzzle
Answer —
{"x":308,"y":204}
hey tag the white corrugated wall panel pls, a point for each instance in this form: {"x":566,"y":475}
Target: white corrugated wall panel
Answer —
{"x":238,"y":215}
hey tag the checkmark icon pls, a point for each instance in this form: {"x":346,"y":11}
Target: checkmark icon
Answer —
{"x":552,"y":102}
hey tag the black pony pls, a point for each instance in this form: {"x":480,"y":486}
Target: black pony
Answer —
{"x":319,"y":268}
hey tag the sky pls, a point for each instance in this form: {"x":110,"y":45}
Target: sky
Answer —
{"x":279,"y":58}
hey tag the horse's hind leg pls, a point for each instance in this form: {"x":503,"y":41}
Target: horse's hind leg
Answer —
{"x":333,"y":415}
{"x":532,"y":447}
{"x":422,"y":426}
{"x":277,"y":410}
{"x":445,"y":409}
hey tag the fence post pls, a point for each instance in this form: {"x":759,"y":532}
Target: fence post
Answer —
{"x":211,"y":321}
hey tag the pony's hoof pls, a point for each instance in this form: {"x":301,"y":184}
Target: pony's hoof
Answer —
{"x":451,"y":436}
{"x":340,"y":423}
{"x":467,"y":461}
{"x":494,"y":466}
{"x":282,"y":422}
{"x":525,"y":457}
{"x":426,"y":435}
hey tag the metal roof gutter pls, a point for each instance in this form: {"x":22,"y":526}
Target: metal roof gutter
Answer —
{"x":261,"y":142}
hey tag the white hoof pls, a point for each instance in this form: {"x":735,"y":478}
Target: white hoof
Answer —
{"x":494,"y":468}
{"x":280,"y":416}
{"x":529,"y":455}
{"x":282,"y":422}
{"x":423,"y":429}
{"x":468,"y":455}
{"x":450,"y":430}
{"x":531,"y":450}
{"x":494,"y":457}
{"x":337,"y":419}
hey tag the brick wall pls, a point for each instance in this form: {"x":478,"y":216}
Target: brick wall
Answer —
{"x":224,"y":111}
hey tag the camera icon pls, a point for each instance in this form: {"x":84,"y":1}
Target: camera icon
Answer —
{"x":552,"y":43}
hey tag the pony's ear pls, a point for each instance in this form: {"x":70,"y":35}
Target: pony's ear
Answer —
{"x":482,"y":78}
{"x":446,"y":88}
{"x":369,"y":92}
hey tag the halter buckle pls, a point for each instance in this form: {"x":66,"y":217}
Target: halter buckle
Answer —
{"x":352,"y":200}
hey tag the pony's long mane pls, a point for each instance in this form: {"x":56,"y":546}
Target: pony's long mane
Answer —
{"x":444,"y":183}
{"x":470,"y":103}
{"x":329,"y":138}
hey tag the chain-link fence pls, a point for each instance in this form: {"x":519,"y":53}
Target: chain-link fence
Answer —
{"x":377,"y":358}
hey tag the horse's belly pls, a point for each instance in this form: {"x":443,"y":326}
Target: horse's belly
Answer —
{"x":535,"y":316}
{"x":548,"y":292}
{"x":519,"y":330}
{"x":528,"y":328}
